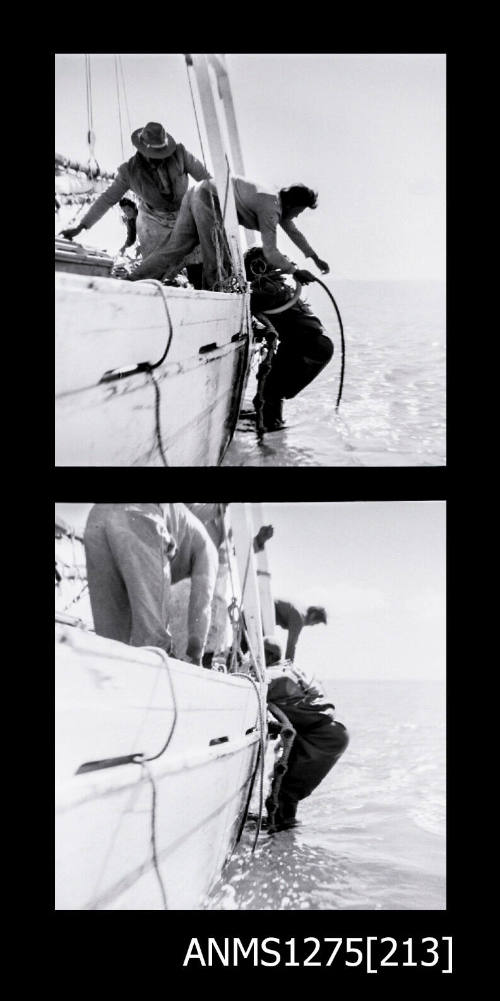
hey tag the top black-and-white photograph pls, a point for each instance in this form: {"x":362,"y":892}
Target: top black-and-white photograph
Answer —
{"x":250,"y":259}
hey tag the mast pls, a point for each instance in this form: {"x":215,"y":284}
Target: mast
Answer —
{"x":243,"y":536}
{"x":218,"y":62}
{"x":263,"y":575}
{"x":220,"y":159}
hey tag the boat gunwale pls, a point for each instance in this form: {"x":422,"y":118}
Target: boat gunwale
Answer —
{"x":196,"y":670}
{"x":146,"y":288}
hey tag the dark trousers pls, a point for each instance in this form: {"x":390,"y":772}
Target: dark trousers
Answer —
{"x":303,"y":352}
{"x":315,"y":750}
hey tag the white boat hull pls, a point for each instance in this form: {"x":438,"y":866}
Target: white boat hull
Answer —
{"x":117,"y":701}
{"x":187,"y":408}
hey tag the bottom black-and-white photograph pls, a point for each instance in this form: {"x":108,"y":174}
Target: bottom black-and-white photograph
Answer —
{"x":250,"y":706}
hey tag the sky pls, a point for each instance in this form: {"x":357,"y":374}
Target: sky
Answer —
{"x":379,"y":570}
{"x":367,"y":131}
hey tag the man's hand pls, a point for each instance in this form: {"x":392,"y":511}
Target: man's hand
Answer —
{"x":70,"y":233}
{"x":264,"y":533}
{"x":119,"y":271}
{"x":304,"y":277}
{"x":322,"y":265}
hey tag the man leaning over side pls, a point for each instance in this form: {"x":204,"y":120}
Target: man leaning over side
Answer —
{"x":134,"y":553}
{"x":258,"y":208}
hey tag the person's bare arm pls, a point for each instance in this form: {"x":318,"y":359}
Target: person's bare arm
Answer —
{"x":203,"y":577}
{"x":300,"y":241}
{"x":268,"y":221}
{"x":194,"y":167}
{"x":101,"y":205}
{"x":295,"y":624}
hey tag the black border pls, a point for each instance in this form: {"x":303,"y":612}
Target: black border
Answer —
{"x":159,"y":947}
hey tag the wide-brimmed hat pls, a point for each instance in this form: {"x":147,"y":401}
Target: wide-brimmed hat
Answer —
{"x":153,"y":141}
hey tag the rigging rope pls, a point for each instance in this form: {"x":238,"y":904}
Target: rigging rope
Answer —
{"x":260,"y":762}
{"x":124,"y":89}
{"x":94,"y":170}
{"x":119,"y":106}
{"x":154,"y":852}
{"x":195,"y":114}
{"x":141,"y":760}
{"x":236,"y":617}
{"x":77,"y":598}
{"x":88,"y":83}
{"x":159,"y":440}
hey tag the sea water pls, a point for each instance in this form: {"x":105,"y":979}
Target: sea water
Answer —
{"x":372,"y":835}
{"x":392,"y":411}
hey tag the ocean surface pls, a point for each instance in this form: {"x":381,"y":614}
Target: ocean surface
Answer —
{"x":392,"y":411}
{"x":372,"y":835}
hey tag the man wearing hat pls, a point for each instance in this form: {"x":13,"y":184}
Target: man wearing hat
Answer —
{"x":158,"y":175}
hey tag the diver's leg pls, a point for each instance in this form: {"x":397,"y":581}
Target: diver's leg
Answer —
{"x":313,"y":755}
{"x":303,"y":353}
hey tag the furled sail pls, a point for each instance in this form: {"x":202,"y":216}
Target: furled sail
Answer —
{"x":78,"y":183}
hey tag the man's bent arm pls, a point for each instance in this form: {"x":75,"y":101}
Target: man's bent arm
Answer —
{"x":268,"y":222}
{"x":297,"y":238}
{"x":108,"y":198}
{"x":194,"y":167}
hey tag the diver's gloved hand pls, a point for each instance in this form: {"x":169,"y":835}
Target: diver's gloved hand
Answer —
{"x":70,"y":233}
{"x":304,"y":277}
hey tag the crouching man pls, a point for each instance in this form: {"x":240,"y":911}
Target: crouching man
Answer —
{"x":319,"y":740}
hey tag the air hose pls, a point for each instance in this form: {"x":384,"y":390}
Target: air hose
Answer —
{"x":281,"y":309}
{"x":342,"y":340}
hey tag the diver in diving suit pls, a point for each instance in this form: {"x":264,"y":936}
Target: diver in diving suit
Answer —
{"x":304,"y":349}
{"x":319,"y":740}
